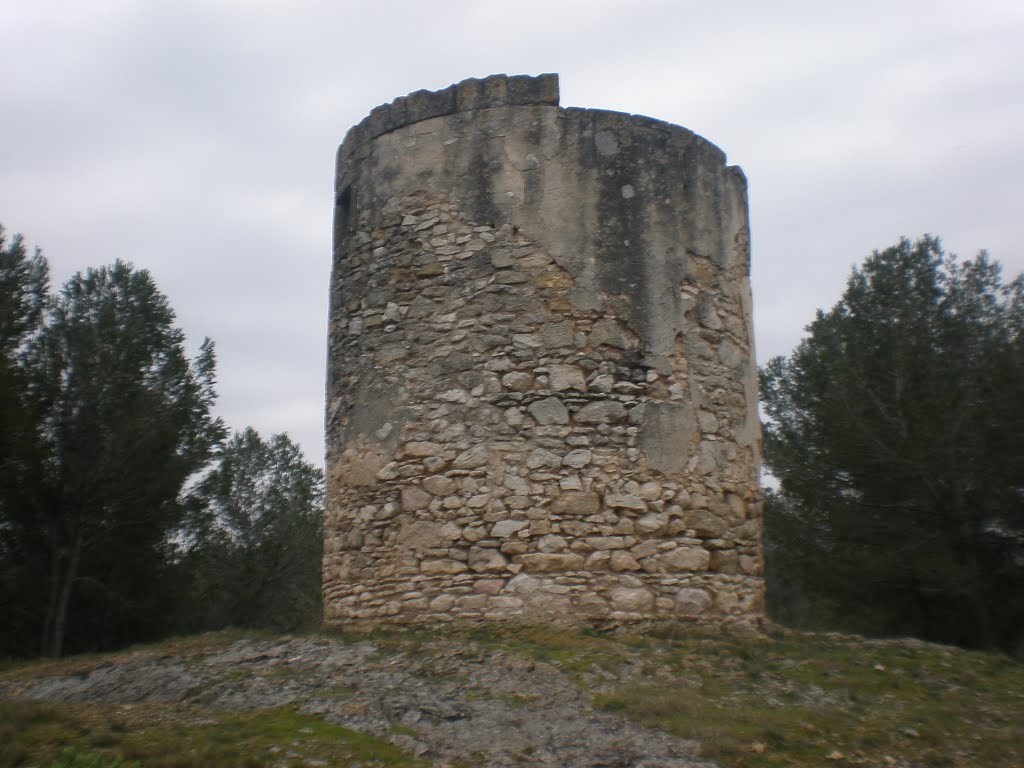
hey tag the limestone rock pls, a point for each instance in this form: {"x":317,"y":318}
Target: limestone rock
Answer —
{"x":692,"y":602}
{"x":601,"y":412}
{"x":750,"y":565}
{"x":420,"y":534}
{"x":550,"y":410}
{"x":523,"y":584}
{"x":421,"y":449}
{"x":541,"y":562}
{"x":449,"y":567}
{"x":482,"y":560}
{"x":552,"y":543}
{"x":488,"y":586}
{"x":705,"y":524}
{"x":505,"y":528}
{"x":414,"y":498}
{"x":624,"y":501}
{"x":442,"y":603}
{"x":724,"y":561}
{"x":357,"y":468}
{"x":685,"y":559}
{"x":517,"y":381}
{"x":578,"y":458}
{"x":451,"y":532}
{"x":557,"y":334}
{"x":623,"y":561}
{"x":563,"y":377}
{"x":437,"y":485}
{"x":609,"y":542}
{"x":632,"y":599}
{"x":576,"y":504}
{"x":541,"y":457}
{"x":477,"y":456}
{"x":611,"y":333}
{"x":651,"y":523}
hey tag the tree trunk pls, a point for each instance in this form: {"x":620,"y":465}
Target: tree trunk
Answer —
{"x":58,"y":612}
{"x":54,"y":585}
{"x":978,"y":594}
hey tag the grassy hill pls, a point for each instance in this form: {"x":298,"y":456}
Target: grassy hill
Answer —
{"x":748,"y":698}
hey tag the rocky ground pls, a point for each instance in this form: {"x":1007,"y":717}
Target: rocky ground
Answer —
{"x":445,"y":701}
{"x":673,"y":695}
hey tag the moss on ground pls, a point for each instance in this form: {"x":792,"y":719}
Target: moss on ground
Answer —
{"x":753,"y":700}
{"x":800,"y":699}
{"x":172,"y":737}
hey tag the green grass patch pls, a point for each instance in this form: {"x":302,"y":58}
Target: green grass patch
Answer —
{"x":165,"y":737}
{"x":194,"y":646}
{"x":760,"y":700}
{"x":799,"y":700}
{"x":752,"y":699}
{"x":72,"y":758}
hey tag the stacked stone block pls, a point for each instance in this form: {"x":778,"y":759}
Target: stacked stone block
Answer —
{"x":541,"y":400}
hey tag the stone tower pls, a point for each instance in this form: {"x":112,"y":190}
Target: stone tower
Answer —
{"x":541,"y":390}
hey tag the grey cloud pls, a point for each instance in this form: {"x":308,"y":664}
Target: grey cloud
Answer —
{"x":197,"y":139}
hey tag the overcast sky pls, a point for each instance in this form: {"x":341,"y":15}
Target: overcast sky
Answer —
{"x":196,"y":139}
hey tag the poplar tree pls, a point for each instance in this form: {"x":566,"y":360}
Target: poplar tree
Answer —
{"x":255,"y":537}
{"x":106,"y":419}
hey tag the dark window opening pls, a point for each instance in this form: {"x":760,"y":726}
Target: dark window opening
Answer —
{"x":342,"y":209}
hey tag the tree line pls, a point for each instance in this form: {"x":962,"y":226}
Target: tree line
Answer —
{"x":895,"y":431}
{"x":126,"y":511}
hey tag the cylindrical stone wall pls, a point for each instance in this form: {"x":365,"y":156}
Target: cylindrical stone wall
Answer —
{"x":541,"y":394}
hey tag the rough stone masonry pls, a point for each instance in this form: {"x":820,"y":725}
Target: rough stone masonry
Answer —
{"x":541,"y":388}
